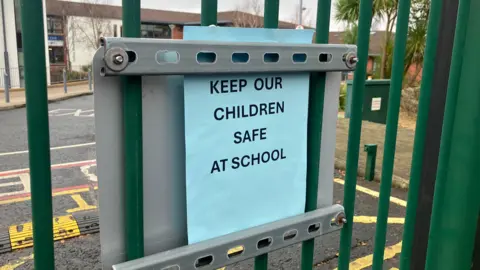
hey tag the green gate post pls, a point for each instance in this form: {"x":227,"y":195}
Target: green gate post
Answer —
{"x":354,"y":131}
{"x":456,"y":205}
{"x":447,"y":129}
{"x":271,"y":14}
{"x":315,"y":121}
{"x":270,"y":20}
{"x":132,"y":117}
{"x":391,"y":132}
{"x":371,"y":150}
{"x":38,"y":132}
{"x":419,"y":140}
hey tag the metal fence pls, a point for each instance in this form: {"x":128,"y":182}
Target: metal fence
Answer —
{"x":58,"y":76}
{"x":70,"y":74}
{"x":456,"y":204}
{"x":15,"y":77}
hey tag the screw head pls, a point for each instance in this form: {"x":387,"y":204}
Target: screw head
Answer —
{"x":339,"y":219}
{"x":118,"y":59}
{"x":350,"y":59}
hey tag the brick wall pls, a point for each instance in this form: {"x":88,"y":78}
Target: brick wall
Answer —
{"x":177,"y":32}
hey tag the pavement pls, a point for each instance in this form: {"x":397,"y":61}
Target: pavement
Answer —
{"x":55,"y":93}
{"x":373,"y":133}
{"x":74,"y":184}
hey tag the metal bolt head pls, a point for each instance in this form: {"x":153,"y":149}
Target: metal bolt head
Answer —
{"x":118,"y":59}
{"x":339,"y":219}
{"x":350,"y":60}
{"x":353,"y":60}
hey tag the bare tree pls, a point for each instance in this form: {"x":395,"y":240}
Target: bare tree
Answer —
{"x":249,"y":14}
{"x":68,"y":32}
{"x":89,"y":29}
{"x":306,"y":16}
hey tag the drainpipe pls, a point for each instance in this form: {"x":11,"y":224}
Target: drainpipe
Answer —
{"x":5,"y":53}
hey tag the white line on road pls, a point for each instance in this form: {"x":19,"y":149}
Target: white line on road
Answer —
{"x":24,"y":181}
{"x":51,"y":149}
{"x":54,"y":166}
{"x":72,"y":112}
{"x":86,"y":171}
{"x":9,"y":184}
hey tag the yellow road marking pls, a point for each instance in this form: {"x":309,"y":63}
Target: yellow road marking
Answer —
{"x":366,"y":261}
{"x":394,"y":268}
{"x":16,"y":263}
{"x":230,"y":251}
{"x":82,"y":204}
{"x":370,"y":219}
{"x":22,"y":199}
{"x":391,"y":251}
{"x":71,"y":191}
{"x":21,"y":236}
{"x":373,"y":193}
{"x":54,"y":194}
{"x":66,"y":226}
{"x":235,"y":249}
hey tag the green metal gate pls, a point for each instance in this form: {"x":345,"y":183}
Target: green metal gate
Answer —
{"x":452,"y":227}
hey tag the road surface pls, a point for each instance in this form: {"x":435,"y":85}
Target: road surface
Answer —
{"x":74,"y":184}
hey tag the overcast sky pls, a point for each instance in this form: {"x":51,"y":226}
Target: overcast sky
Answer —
{"x":287,"y":8}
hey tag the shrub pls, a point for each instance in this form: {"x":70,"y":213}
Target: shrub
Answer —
{"x":86,"y":68}
{"x":73,"y":75}
{"x":343,"y":96}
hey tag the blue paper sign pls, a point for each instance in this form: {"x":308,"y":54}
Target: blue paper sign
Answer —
{"x":246,"y":138}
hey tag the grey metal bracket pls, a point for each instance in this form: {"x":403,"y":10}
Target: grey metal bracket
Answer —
{"x":136,"y":56}
{"x":242,"y":245}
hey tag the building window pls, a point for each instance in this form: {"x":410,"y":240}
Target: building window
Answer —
{"x":56,"y":55}
{"x":18,"y":25}
{"x":18,"y":18}
{"x":115,"y":34}
{"x":54,"y":25}
{"x":19,"y":42}
{"x":155,"y":31}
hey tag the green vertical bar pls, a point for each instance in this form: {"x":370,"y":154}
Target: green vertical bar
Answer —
{"x":132,"y":117}
{"x":455,"y":228}
{"x":420,"y":132}
{"x":270,"y":20}
{"x":316,"y":97}
{"x":441,"y":185}
{"x":354,"y":131}
{"x":371,"y":150}
{"x":33,"y":36}
{"x":271,"y":14}
{"x":391,"y":132}
{"x":209,"y":12}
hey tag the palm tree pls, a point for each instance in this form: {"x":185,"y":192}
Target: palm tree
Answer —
{"x":417,"y":35}
{"x":350,"y":36}
{"x":383,"y":10}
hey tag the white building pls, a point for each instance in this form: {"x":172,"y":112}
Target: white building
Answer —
{"x":11,"y":44}
{"x":73,"y":29}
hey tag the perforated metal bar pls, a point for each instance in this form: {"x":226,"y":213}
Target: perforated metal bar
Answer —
{"x":135,"y":56}
{"x":212,"y":254}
